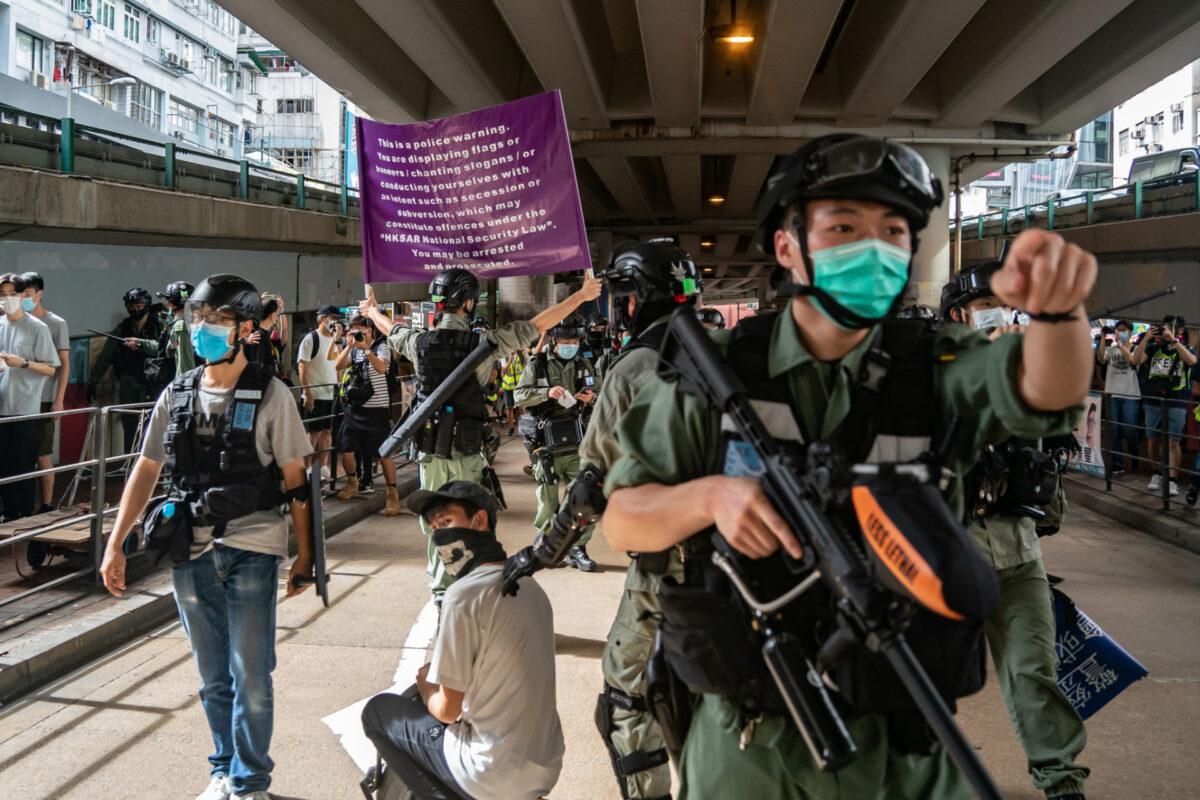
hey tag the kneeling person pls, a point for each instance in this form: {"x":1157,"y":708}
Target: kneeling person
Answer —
{"x":481,"y":720}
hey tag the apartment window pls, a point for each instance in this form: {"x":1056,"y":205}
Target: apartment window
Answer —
{"x":302,"y":105}
{"x":1177,"y":118}
{"x":146,"y":105}
{"x":188,"y":53}
{"x":184,"y":117}
{"x":107,"y":15}
{"x":31,"y":52}
{"x":225,"y":133}
{"x":1123,"y":142}
{"x":153,"y":29}
{"x":133,"y":23}
{"x":298,"y":158}
{"x":259,"y":107}
{"x":210,"y":70}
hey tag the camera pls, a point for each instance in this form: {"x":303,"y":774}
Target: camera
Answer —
{"x":358,"y":336}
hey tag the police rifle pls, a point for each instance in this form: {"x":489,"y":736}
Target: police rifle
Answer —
{"x":106,"y":335}
{"x":1104,"y":313}
{"x":804,"y":490}
{"x":419,"y":417}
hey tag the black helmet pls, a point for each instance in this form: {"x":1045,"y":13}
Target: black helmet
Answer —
{"x":917,"y":311}
{"x":136,"y":295}
{"x":228,"y":293}
{"x":480,"y":324}
{"x":177,"y":293}
{"x":850,"y":166}
{"x":659,"y":273}
{"x":573,"y":327}
{"x":972,"y":283}
{"x":596,"y":319}
{"x":711,"y":316}
{"x":453,"y":288}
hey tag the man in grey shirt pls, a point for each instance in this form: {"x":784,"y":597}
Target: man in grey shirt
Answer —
{"x":55,"y":391}
{"x":27,"y":360}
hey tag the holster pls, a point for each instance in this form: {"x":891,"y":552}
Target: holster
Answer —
{"x":668,"y":698}
{"x":169,"y":534}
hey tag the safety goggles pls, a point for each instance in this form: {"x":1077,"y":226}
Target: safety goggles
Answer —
{"x":864,"y":156}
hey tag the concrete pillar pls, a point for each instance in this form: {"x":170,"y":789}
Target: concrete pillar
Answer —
{"x":931,"y":268}
{"x":523,"y":296}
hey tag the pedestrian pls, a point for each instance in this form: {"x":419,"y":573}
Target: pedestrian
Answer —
{"x":452,"y":448}
{"x":1168,"y":387}
{"x":511,"y":369}
{"x":230,"y":438}
{"x":128,"y":359}
{"x":318,"y":377}
{"x":28,"y":361}
{"x":840,"y":216}
{"x":366,"y":358}
{"x":55,"y":391}
{"x":1124,"y":397}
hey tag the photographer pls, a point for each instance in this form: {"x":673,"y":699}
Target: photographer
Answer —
{"x":366,"y":358}
{"x":1124,"y":394}
{"x":315,"y":356}
{"x":481,"y":720}
{"x":1168,"y":386}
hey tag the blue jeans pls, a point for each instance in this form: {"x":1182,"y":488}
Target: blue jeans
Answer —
{"x":1122,"y":430}
{"x":226,"y":600}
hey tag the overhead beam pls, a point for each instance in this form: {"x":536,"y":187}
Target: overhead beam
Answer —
{"x":346,"y":48}
{"x":691,"y":243}
{"x":1138,"y":47}
{"x":699,"y":226}
{"x":791,"y":36}
{"x":683,"y":181}
{"x":888,"y":48}
{"x":622,"y":183}
{"x":671,"y":37}
{"x":726,"y":245}
{"x":1007,"y":46}
{"x":749,"y":174}
{"x":563,"y":50}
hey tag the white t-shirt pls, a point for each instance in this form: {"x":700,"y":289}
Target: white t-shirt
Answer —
{"x":499,"y":652}
{"x":1121,"y":377}
{"x":320,"y":367}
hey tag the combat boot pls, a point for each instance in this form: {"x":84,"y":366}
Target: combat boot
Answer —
{"x":392,"y":508}
{"x":578,"y":558}
{"x":350,"y":489}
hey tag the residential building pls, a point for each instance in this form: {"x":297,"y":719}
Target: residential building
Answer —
{"x":1163,"y":117}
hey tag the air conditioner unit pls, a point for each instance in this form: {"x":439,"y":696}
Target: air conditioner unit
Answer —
{"x":178,"y":135}
{"x":185,"y":65}
{"x":1137,"y":134}
{"x":39,"y":80}
{"x":78,"y":23}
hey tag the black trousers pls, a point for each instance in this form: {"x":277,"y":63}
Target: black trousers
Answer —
{"x":18,"y":453}
{"x":410,"y":740}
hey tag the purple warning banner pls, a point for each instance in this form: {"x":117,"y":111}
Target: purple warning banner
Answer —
{"x":492,"y":191}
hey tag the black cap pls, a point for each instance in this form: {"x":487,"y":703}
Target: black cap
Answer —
{"x":329,"y":310}
{"x":422,"y":500}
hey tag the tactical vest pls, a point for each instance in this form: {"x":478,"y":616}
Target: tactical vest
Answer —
{"x":585,"y":378}
{"x":457,"y":427}
{"x":893,"y":419}
{"x":222,"y":472}
{"x":129,"y":363}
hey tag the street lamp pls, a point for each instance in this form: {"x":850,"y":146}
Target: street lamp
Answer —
{"x":66,"y":149}
{"x":126,"y":81}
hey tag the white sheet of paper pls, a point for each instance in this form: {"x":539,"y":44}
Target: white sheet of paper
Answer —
{"x":567,"y":400}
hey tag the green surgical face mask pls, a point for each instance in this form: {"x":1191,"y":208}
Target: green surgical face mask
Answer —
{"x":863,"y":278}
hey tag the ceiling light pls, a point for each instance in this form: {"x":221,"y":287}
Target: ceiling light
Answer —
{"x":732,"y":34}
{"x":706,"y":244}
{"x":716,"y":199}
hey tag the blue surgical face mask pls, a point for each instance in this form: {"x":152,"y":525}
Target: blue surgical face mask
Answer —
{"x":211,"y":342}
{"x":863,"y":277}
{"x":1124,"y":335}
{"x":28,"y":304}
{"x":625,"y":339}
{"x":567,"y":351}
{"x":989,"y":319}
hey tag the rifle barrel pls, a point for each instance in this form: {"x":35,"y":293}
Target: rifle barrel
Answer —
{"x":1146,"y":298}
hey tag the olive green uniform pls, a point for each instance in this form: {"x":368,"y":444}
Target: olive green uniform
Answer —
{"x":669,"y":437}
{"x":1020,"y":635}
{"x":530,"y":394}
{"x":631,"y":637}
{"x":131,"y":386}
{"x":436,"y":471}
{"x":179,"y":342}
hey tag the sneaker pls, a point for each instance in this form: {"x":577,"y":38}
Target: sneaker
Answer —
{"x":1173,"y":489}
{"x":1193,"y":493}
{"x":219,"y":788}
{"x":578,"y":558}
{"x":366,"y":489}
{"x":252,"y":796}
{"x":325,"y":473}
{"x":1155,"y":482}
{"x":1118,"y":471}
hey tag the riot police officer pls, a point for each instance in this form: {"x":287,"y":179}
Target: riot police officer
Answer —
{"x":1008,"y":493}
{"x":231,"y":439}
{"x":128,"y":360}
{"x":841,"y":217}
{"x":453,"y":451}
{"x":711,"y":318}
{"x":557,"y":390}
{"x":171,"y":354}
{"x":596,"y":343}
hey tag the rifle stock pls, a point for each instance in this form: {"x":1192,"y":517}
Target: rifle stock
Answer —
{"x":802,"y":491}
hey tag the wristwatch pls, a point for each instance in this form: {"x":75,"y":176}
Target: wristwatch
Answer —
{"x":26,"y":364}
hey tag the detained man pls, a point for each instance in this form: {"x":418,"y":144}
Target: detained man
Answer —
{"x":480,"y":722}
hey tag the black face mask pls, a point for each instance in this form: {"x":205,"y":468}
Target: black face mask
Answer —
{"x":136,"y":314}
{"x":596,"y":339}
{"x":463,"y":549}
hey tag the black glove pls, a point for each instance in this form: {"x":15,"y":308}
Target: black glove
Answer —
{"x":518,"y":566}
{"x":90,"y":393}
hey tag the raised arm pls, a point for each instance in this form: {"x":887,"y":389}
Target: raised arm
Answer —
{"x":556,"y":313}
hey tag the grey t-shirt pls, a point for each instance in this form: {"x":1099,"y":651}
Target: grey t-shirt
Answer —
{"x":499,"y":652}
{"x":279,"y":436}
{"x":21,"y":389}
{"x":61,"y":337}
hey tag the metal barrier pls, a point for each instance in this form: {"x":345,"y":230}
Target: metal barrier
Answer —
{"x":1141,"y":432}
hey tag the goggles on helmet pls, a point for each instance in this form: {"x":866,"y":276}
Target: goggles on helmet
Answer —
{"x":864,"y":156}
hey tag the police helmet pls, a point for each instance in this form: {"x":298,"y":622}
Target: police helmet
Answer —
{"x":596,"y":320}
{"x":573,"y":327}
{"x":711,"y":316}
{"x":850,"y":166}
{"x":230,"y":294}
{"x":177,"y":293}
{"x":480,"y":324}
{"x":918,"y":311}
{"x":136,"y":295}
{"x":972,"y":283}
{"x":657,"y":270}
{"x":453,"y":288}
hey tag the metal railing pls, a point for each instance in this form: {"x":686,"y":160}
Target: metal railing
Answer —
{"x":175,"y":160}
{"x":1096,"y":205}
{"x":1116,"y":432}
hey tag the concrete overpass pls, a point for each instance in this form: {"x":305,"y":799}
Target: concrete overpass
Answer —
{"x":666,"y":119}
